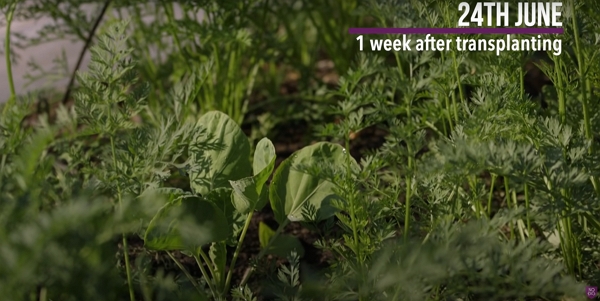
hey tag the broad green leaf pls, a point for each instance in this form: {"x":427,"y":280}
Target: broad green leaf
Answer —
{"x":264,"y":163}
{"x":265,"y":233}
{"x":223,"y":157}
{"x":218,"y":256}
{"x":150,"y":201}
{"x":264,"y":157}
{"x":222,"y":198}
{"x":249,"y":193}
{"x":292,"y":189}
{"x":245,"y":194}
{"x":283,"y":244}
{"x":186,"y":224}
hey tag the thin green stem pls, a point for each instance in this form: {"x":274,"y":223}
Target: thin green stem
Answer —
{"x":186,"y":273}
{"x":2,"y":164}
{"x":149,"y":65}
{"x":489,"y":204}
{"x":171,"y":19}
{"x":211,"y":269}
{"x":473,"y":184}
{"x":519,"y":222}
{"x":11,"y":83}
{"x":125,"y":245}
{"x":564,"y":245}
{"x":407,"y":204}
{"x":263,"y":252}
{"x":582,"y":75}
{"x":560,"y":86}
{"x":237,"y":251}
{"x":409,"y":184}
{"x":584,"y":89}
{"x":351,"y":200}
{"x":217,"y":282}
{"x":461,"y":92}
{"x":449,"y":108}
{"x":594,"y":179}
{"x":526,"y":191}
{"x":43,"y":294}
{"x":522,"y":83}
{"x":447,"y":20}
{"x":569,"y":241}
{"x":86,"y":46}
{"x":206,"y":276}
{"x":455,"y":200}
{"x":454,"y":107}
{"x":507,"y":196}
{"x":574,"y":246}
{"x":352,"y":204}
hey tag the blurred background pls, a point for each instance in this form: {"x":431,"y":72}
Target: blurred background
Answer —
{"x":43,"y":56}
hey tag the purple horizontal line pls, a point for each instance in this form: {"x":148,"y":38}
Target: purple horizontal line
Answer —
{"x":466,"y":30}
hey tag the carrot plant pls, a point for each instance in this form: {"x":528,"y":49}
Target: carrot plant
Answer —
{"x":198,"y":38}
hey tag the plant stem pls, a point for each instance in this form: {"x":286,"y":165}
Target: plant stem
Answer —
{"x":522,"y":83}
{"x":186,"y":273}
{"x":454,"y":108}
{"x":206,"y":276}
{"x":217,"y":293}
{"x":171,"y":19}
{"x":409,"y":192}
{"x":519,"y":221}
{"x":237,"y":251}
{"x":489,"y":205}
{"x":507,"y":196}
{"x":86,"y":46}
{"x":477,"y":203}
{"x":264,"y":251}
{"x":409,"y":184}
{"x":526,"y":188}
{"x":455,"y":64}
{"x":43,"y":294}
{"x":125,"y":246}
{"x":560,"y":86}
{"x":583,"y":87}
{"x":149,"y":65}
{"x":582,"y":74}
{"x":11,"y":83}
{"x":2,"y":164}
{"x":351,"y":201}
{"x":211,"y":269}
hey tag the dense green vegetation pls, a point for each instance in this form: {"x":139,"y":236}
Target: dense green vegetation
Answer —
{"x":256,"y":154}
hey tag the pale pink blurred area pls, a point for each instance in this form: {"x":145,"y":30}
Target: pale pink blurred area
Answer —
{"x":46,"y":53}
